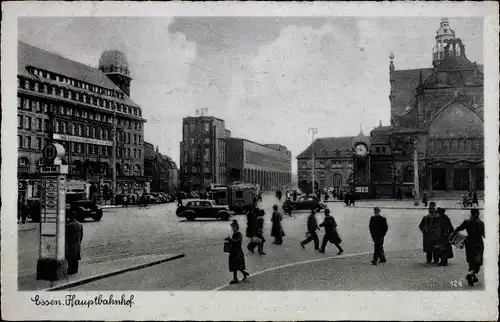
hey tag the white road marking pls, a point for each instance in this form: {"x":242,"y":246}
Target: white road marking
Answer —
{"x":298,"y":263}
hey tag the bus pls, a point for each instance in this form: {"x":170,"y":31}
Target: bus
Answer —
{"x":238,"y":197}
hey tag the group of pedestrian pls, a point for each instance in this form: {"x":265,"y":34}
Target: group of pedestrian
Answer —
{"x":331,"y":234}
{"x":349,"y":199}
{"x":469,"y":199}
{"x":438,"y":234}
{"x":255,"y":230}
{"x":436,"y":226}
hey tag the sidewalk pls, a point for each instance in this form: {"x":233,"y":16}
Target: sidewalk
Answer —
{"x":408,"y":204}
{"x":95,"y":271}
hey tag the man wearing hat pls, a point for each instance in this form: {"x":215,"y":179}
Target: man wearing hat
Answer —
{"x":474,"y":245}
{"x":331,"y":234}
{"x":74,"y":236}
{"x":378,"y":229}
{"x":443,"y":230}
{"x":427,"y":227}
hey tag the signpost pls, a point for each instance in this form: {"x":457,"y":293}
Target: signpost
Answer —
{"x":52,"y":264}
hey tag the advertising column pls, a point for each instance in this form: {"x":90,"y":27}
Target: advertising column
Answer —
{"x":52,"y":264}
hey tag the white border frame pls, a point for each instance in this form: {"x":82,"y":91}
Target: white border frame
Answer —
{"x":461,"y":305}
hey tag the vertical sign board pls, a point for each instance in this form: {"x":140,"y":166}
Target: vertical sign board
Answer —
{"x":48,"y":222}
{"x":61,"y":218}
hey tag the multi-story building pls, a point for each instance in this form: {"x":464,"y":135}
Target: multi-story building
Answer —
{"x":203,"y":152}
{"x":333,"y":163}
{"x":438,"y":112}
{"x":63,"y":101}
{"x":160,"y":170}
{"x":268,"y":165}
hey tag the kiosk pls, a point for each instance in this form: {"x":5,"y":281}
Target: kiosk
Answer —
{"x":52,"y":264}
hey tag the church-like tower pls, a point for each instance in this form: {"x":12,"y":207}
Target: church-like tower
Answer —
{"x":114,"y":64}
{"x":443,"y":35}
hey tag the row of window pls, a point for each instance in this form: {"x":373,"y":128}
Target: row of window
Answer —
{"x":76,"y":96}
{"x":26,"y":142}
{"x":321,"y":163}
{"x":191,"y":127}
{"x":71,"y":128}
{"x":43,"y":107}
{"x":76,"y":83}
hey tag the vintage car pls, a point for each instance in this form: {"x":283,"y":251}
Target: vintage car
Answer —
{"x":306,"y":203}
{"x":87,"y":209}
{"x":201,"y":208}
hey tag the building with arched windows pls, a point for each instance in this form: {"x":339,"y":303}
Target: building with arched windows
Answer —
{"x":439,"y":112}
{"x":63,"y":101}
{"x":333,"y":163}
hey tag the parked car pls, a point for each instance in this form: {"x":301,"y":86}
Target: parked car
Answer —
{"x":183,"y":195}
{"x":86,"y":209}
{"x":201,"y":208}
{"x":307,"y":203}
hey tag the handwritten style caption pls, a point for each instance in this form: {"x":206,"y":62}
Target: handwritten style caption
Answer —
{"x":71,"y":300}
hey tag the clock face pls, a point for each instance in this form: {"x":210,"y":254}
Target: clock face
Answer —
{"x":361,"y":150}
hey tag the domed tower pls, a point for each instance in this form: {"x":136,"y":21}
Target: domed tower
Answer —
{"x":443,"y":34}
{"x":114,"y":64}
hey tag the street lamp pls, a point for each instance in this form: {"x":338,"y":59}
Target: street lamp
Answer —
{"x":313,"y":132}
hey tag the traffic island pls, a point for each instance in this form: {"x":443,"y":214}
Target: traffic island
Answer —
{"x":95,"y":271}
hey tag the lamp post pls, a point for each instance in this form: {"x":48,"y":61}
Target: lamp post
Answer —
{"x":313,"y":132}
{"x":415,"y":173}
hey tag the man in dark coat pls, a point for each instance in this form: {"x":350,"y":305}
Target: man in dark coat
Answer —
{"x":179,"y":200}
{"x":424,"y":199}
{"x":74,"y":236}
{"x":444,"y":228}
{"x":312,"y":226}
{"x":252,"y":227}
{"x":277,"y":229}
{"x":294,"y":195}
{"x":474,"y":245}
{"x":474,"y":199}
{"x":378,"y":229}
{"x":347,"y":198}
{"x":331,"y":234}
{"x":427,"y":226}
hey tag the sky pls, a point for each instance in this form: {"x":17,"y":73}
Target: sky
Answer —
{"x":269,"y":78}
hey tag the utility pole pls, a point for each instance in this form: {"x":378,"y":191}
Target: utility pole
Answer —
{"x":113,"y":154}
{"x":313,"y":132}
{"x":415,"y":173}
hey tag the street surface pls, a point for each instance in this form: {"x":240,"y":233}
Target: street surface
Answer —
{"x":126,"y":232}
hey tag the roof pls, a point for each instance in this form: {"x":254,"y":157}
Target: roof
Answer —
{"x":405,"y":88}
{"x":329,"y":147}
{"x":32,"y":56}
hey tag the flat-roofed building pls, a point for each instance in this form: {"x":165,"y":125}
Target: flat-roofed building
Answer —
{"x":268,"y":165}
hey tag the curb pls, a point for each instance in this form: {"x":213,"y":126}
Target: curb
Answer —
{"x":415,"y":208}
{"x":113,"y":273}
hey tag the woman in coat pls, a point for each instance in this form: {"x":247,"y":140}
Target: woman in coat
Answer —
{"x":474,"y":246}
{"x":277,"y":229}
{"x":236,"y":256}
{"x":444,"y":228}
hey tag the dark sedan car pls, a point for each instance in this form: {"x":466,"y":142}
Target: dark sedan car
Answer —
{"x":306,"y":203}
{"x":203,"y":209}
